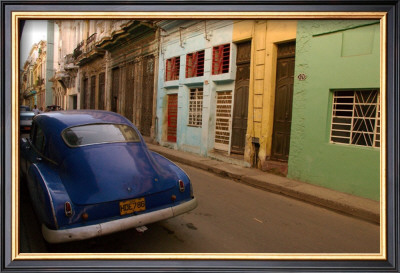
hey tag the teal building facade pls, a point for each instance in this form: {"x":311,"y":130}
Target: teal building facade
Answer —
{"x":187,"y":86}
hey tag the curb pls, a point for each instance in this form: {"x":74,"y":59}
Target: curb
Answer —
{"x":355,"y":206}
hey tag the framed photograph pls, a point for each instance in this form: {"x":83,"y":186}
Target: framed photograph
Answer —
{"x":161,"y":136}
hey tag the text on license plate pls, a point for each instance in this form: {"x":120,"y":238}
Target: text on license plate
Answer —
{"x":130,"y":206}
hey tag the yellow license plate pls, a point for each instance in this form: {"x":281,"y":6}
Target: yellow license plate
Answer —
{"x":131,"y":206}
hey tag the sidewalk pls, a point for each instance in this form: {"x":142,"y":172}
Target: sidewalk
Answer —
{"x":348,"y":204}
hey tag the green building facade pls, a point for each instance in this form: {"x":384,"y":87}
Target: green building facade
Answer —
{"x":335,"y":132}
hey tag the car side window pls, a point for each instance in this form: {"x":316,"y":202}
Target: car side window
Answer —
{"x":38,"y":139}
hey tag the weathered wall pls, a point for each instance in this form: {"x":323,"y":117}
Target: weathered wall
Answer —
{"x":346,"y":58}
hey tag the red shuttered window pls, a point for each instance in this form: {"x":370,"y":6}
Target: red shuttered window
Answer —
{"x":220,"y":61}
{"x":172,"y":69}
{"x":195,"y":64}
{"x":172,"y":117}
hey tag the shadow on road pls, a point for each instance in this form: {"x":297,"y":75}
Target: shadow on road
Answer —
{"x":30,"y":235}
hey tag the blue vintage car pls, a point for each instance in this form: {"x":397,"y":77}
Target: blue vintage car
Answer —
{"x":89,"y":173}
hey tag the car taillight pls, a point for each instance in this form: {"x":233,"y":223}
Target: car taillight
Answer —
{"x":181,"y":186}
{"x":68,"y":209}
{"x":85,"y":216}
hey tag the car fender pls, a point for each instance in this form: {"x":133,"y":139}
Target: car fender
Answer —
{"x":47,"y":193}
{"x":165,"y":163}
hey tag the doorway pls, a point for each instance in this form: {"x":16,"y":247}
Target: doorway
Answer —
{"x":283,"y":102}
{"x":241,"y":98}
{"x":73,"y":102}
{"x":147,"y":96}
{"x":115,"y":90}
{"x":130,"y":91}
{"x":102,"y":90}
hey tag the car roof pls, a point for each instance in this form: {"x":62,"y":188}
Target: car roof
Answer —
{"x":55,"y":122}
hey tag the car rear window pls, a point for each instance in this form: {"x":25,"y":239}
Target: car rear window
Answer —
{"x":99,"y":133}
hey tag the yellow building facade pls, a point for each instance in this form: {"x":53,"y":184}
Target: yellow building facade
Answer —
{"x":265,"y":36}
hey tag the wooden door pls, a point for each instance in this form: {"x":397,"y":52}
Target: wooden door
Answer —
{"x":172,"y":117}
{"x":283,"y":102}
{"x":241,"y":98}
{"x":92,"y":104}
{"x":85,"y":94}
{"x":102,"y":89}
{"x":147,"y":96}
{"x":130,"y":91}
{"x":115,"y":90}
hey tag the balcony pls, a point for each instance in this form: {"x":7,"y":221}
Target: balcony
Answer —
{"x":69,"y":62}
{"x":69,"y":59}
{"x":86,"y":50}
{"x":90,"y":42}
{"x":78,"y":50}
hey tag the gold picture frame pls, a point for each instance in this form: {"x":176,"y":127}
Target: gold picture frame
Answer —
{"x":46,"y":13}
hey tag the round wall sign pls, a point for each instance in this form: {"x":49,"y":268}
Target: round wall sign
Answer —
{"x":302,"y":77}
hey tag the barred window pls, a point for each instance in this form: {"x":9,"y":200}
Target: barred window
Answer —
{"x":356,"y":117}
{"x":222,"y":120}
{"x":195,"y":64}
{"x":195,"y":107}
{"x":220,"y":63}
{"x":172,"y":69}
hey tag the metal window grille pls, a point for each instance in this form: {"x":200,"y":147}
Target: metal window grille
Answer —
{"x":196,"y":107}
{"x":223,"y":119}
{"x":378,"y":126}
{"x":221,"y":56}
{"x":356,"y":117}
{"x":172,"y":69}
{"x":195,"y":64}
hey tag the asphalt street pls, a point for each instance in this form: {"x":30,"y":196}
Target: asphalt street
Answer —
{"x":231,"y":218}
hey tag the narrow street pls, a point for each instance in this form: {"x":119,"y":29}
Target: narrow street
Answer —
{"x":230,"y":218}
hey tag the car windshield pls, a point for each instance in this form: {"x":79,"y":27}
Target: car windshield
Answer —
{"x":99,"y":133}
